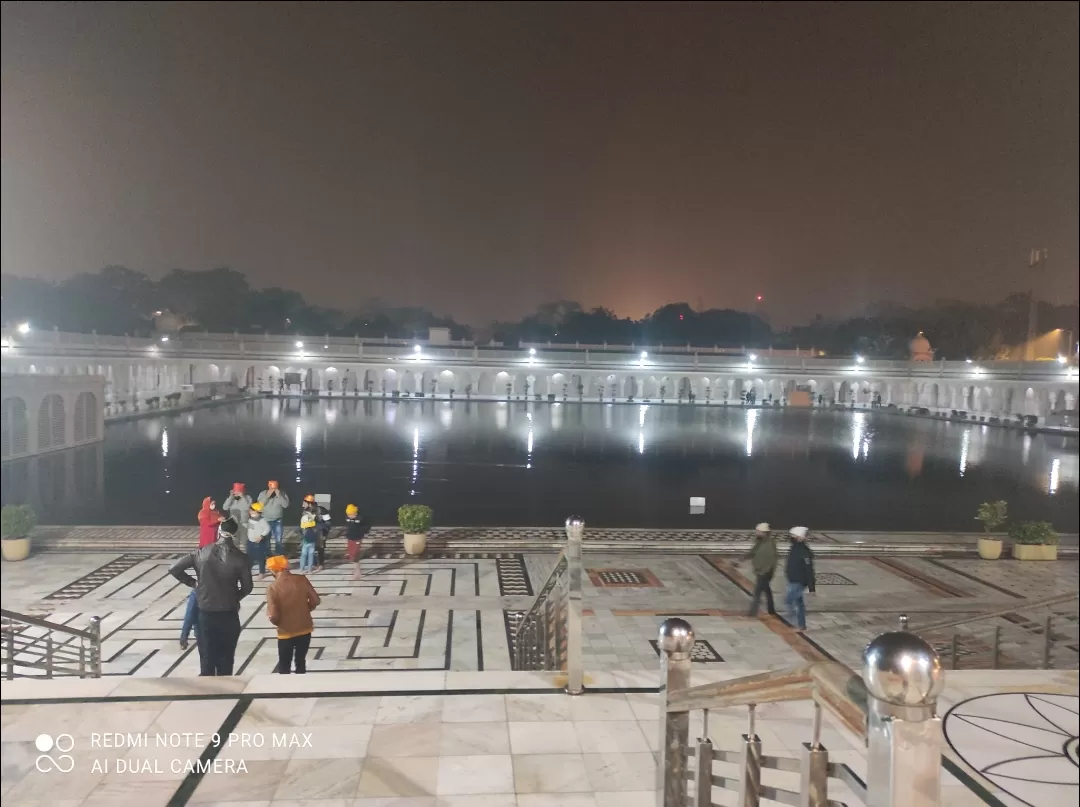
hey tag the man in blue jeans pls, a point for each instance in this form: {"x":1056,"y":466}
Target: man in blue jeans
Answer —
{"x":800,"y":575}
{"x":274,"y":501}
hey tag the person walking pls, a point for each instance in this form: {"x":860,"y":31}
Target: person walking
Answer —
{"x":209,"y":518}
{"x":800,"y":575}
{"x":309,"y":542}
{"x":258,"y":532}
{"x":274,"y":501}
{"x":763,"y":561}
{"x":290,"y":599}
{"x":237,"y":505}
{"x":223,"y":578}
{"x":356,"y":527}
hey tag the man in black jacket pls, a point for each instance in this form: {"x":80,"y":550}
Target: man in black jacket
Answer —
{"x":224,"y":578}
{"x":800,"y":575}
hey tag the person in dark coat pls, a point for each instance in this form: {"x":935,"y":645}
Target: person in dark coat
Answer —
{"x":223,"y":578}
{"x":763,"y":558}
{"x":800,"y":575}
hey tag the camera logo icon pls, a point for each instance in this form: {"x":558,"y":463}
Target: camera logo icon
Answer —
{"x":62,"y":761}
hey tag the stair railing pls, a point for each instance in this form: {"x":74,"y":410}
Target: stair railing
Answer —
{"x":892,"y":705}
{"x":34,"y":647}
{"x":548,"y":636}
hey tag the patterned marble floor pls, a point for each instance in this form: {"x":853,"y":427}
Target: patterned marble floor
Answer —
{"x":457,"y":612}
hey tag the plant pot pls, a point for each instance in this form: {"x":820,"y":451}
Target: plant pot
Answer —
{"x":415,"y":543}
{"x":989,"y":548}
{"x":15,"y":549}
{"x":1035,"y":551}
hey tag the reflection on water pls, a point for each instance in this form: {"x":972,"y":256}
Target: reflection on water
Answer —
{"x":62,"y":487}
{"x":519,"y":463}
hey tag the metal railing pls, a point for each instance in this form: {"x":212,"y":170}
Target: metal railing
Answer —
{"x":548,"y":637}
{"x":892,"y":705}
{"x":37,"y":648}
{"x":1034,"y":628}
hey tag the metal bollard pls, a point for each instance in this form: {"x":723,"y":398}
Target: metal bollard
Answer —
{"x":575,"y":673}
{"x":703,"y":758}
{"x":903,"y":677}
{"x":676,"y":640}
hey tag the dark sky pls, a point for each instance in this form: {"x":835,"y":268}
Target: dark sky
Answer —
{"x":480,"y":159}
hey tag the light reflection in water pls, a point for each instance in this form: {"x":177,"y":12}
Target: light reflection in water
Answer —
{"x":751,"y":422}
{"x":1055,"y":475}
{"x":415,"y":460}
{"x":299,"y":450}
{"x":965,"y":446}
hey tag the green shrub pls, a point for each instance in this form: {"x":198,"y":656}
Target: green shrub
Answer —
{"x":414,"y":518}
{"x":1039,"y":533}
{"x":17,"y":520}
{"x":993,"y":515}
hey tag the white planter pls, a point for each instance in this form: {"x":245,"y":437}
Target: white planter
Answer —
{"x":415,"y":543}
{"x":15,"y":549}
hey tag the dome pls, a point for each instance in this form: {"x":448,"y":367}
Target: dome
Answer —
{"x":920,"y":348}
{"x":902,"y":669}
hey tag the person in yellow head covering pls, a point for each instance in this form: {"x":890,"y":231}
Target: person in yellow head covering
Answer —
{"x":290,"y":599}
{"x":309,"y":537}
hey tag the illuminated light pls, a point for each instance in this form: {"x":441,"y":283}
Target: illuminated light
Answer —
{"x":978,"y":371}
{"x":1062,"y":359}
{"x":164,"y":442}
{"x":299,"y":344}
{"x":1055,"y":476}
{"x":751,"y":422}
{"x":326,"y":347}
{"x":644,"y":355}
{"x":157,"y":313}
{"x":416,"y":348}
{"x":760,"y":298}
{"x":681,"y":316}
{"x":532,"y":351}
{"x":641,"y":443}
{"x":5,"y":343}
{"x":24,"y":327}
{"x":641,"y":415}
{"x":752,"y":357}
{"x":859,"y":441}
{"x":859,"y":359}
{"x":299,"y":440}
{"x":164,"y":339}
{"x":965,"y":444}
{"x":968,"y":361}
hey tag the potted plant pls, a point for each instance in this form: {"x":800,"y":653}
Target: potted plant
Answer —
{"x":18,"y":521}
{"x":415,"y":521}
{"x":993,"y":516}
{"x":1034,"y":540}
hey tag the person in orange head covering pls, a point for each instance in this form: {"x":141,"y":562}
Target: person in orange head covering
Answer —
{"x":290,"y":599}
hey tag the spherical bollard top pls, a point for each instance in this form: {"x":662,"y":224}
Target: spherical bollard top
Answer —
{"x":676,"y":636}
{"x":575,"y":528}
{"x":575,"y":521}
{"x":902,"y":669}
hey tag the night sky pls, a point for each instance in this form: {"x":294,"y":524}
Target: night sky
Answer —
{"x":480,"y":159}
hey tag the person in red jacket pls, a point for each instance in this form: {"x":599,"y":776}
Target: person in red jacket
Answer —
{"x":209,"y":518}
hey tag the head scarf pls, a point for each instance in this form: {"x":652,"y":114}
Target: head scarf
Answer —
{"x":278,"y":563}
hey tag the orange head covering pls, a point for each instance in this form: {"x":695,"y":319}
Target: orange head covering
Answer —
{"x":278,"y":563}
{"x":205,"y":506}
{"x":272,"y":485}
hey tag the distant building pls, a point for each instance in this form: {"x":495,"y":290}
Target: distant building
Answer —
{"x":438,"y":336}
{"x":920,"y":348}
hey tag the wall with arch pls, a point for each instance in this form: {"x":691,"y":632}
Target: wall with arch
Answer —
{"x":43,"y":413}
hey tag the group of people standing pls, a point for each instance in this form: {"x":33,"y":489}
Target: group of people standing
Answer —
{"x":223,"y":573}
{"x":799,"y":570}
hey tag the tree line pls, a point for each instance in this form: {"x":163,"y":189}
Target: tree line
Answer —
{"x":117,"y":300}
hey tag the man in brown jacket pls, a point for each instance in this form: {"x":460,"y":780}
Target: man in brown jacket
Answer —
{"x":290,"y":599}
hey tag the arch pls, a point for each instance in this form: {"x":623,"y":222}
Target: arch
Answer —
{"x":86,"y":410}
{"x":484,"y":384}
{"x":685,"y":389}
{"x":578,"y":384}
{"x":51,"y":422}
{"x":631,"y":387}
{"x":446,"y":381}
{"x":16,"y":428}
{"x":503,"y":384}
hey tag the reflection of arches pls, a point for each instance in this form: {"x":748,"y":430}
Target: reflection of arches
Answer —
{"x":51,"y":422}
{"x":85,"y":427}
{"x":16,"y":428}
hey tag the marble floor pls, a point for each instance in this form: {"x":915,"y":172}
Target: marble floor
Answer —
{"x":456,"y":611}
{"x":465,"y":739}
